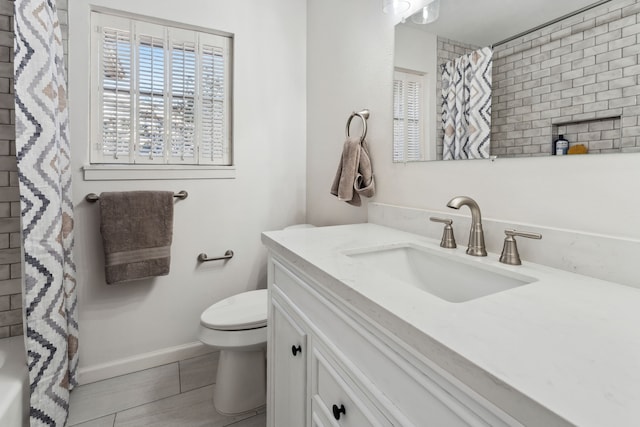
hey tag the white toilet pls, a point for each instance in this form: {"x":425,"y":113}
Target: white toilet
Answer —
{"x":237,"y":326}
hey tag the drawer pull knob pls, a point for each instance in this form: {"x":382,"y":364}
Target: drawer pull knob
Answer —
{"x":295,"y":350}
{"x":337,"y":411}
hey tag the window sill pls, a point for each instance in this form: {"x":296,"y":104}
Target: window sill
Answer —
{"x":156,"y":172}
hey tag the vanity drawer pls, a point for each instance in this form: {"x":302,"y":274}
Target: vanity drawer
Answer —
{"x":334,"y":402}
{"x":319,"y":418}
{"x":410,"y":392}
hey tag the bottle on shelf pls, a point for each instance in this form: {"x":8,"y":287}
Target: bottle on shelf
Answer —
{"x":560,"y":146}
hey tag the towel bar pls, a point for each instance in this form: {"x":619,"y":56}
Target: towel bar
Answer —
{"x":204,"y":258}
{"x":364,"y":115}
{"x":93,"y":197}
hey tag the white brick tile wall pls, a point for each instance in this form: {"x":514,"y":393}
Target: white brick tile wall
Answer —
{"x":10,"y":239}
{"x":586,"y":70}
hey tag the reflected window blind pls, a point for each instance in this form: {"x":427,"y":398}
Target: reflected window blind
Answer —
{"x":413,"y":121}
{"x":398,"y":120}
{"x":408,"y":116}
{"x":163,"y":94}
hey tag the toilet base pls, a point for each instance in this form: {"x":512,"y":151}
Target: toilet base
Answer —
{"x":241,"y":383}
{"x":259,"y":409}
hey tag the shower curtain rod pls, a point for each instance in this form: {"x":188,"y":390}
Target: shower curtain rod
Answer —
{"x":553,"y":21}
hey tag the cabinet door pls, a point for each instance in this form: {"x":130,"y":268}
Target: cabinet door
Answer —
{"x":289,"y":364}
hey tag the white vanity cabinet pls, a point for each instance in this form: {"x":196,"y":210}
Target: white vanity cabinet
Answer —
{"x":350,"y":371}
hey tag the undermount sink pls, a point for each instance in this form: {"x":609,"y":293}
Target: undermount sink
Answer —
{"x":449,"y":277}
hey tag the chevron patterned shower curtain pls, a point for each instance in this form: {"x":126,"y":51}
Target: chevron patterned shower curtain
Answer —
{"x":466,"y":106}
{"x":42,"y":151}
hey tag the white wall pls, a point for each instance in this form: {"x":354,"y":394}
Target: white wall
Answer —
{"x":268,"y":193}
{"x":350,"y":67}
{"x":417,"y":50}
{"x":596,"y":194}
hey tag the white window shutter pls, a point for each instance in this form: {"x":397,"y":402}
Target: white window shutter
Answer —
{"x":163,"y":94}
{"x":214,"y":100}
{"x":183,"y":77}
{"x":151,"y":82}
{"x":112,"y":74}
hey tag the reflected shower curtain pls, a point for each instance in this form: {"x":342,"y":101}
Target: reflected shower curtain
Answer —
{"x":466,"y":106}
{"x":42,"y":151}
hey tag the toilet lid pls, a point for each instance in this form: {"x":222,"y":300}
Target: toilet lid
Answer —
{"x":247,"y":310}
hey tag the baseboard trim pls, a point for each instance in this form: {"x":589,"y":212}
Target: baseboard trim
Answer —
{"x":139,"y":362}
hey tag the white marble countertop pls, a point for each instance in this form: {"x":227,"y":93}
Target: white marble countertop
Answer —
{"x":569,"y":343}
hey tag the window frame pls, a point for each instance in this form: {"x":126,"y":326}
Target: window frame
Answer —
{"x":133,"y":166}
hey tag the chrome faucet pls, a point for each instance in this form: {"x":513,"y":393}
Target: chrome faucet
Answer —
{"x":476,"y":235}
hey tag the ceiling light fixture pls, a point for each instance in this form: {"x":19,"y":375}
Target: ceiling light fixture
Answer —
{"x":395,"y":7}
{"x":427,"y":14}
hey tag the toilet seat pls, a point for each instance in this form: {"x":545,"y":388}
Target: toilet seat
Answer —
{"x":244,"y":311}
{"x":246,"y":340}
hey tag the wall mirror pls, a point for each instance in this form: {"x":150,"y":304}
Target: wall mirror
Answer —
{"x":566,"y":68}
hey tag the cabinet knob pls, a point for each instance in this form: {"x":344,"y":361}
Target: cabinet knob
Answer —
{"x":295,"y":350}
{"x":337,"y":411}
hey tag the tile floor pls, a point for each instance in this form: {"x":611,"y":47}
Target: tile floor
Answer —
{"x":175,"y":395}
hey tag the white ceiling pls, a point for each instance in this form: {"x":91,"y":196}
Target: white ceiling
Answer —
{"x":484,"y":22}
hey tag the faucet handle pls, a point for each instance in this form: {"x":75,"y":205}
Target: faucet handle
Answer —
{"x":510,"y":253}
{"x":448,"y":239}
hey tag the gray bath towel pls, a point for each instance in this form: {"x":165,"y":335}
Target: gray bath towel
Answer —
{"x":355,"y":173}
{"x":137,"y":229}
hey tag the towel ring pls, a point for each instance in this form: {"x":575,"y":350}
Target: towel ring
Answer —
{"x":364,"y":115}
